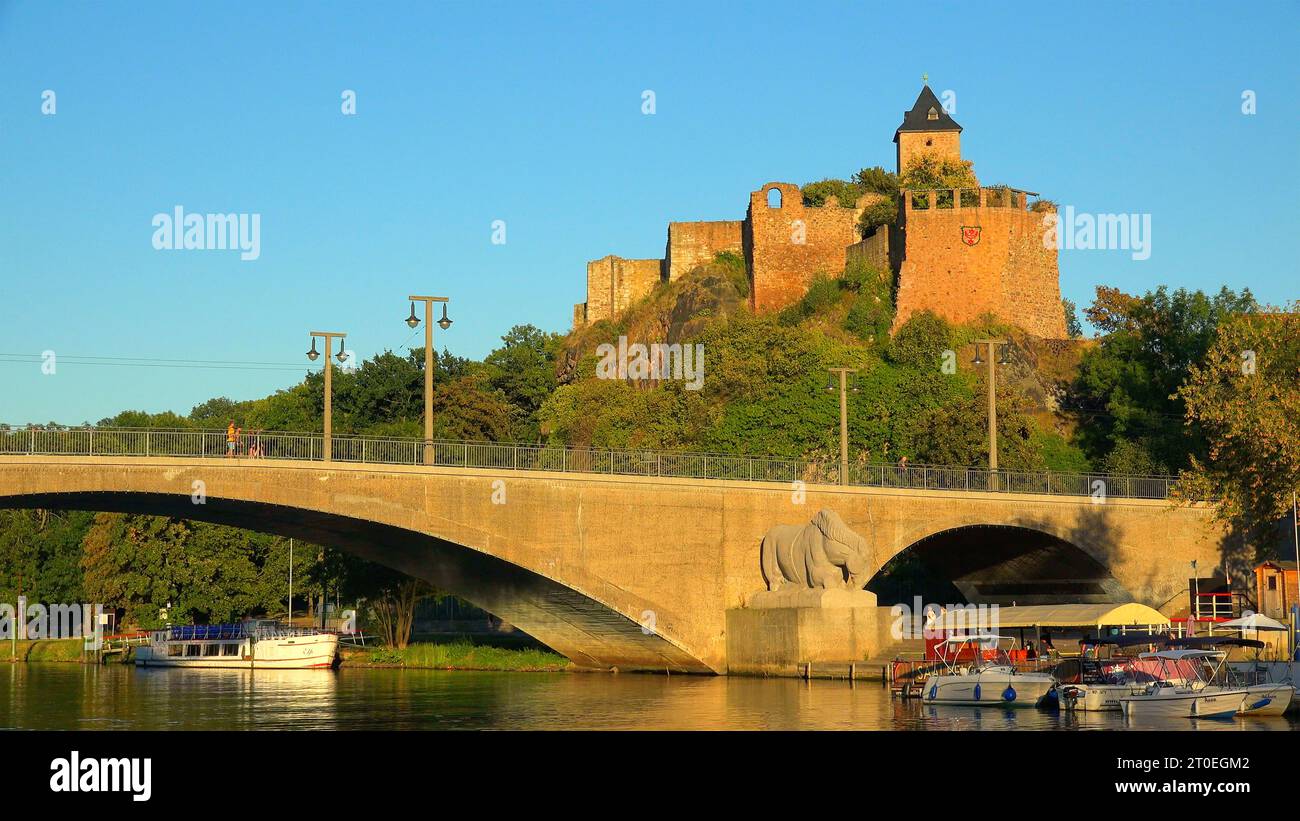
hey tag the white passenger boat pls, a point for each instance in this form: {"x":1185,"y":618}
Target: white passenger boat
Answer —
{"x":249,"y":645}
{"x":989,"y":679}
{"x":1175,"y":695}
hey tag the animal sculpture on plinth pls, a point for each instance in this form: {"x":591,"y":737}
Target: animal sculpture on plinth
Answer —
{"x":824,"y":554}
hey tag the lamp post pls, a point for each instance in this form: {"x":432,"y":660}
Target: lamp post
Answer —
{"x":844,"y":418}
{"x":993,"y":402}
{"x":329,"y":337}
{"x":413,"y":321}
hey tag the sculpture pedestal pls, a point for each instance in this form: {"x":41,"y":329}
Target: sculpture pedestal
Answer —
{"x":779,"y":632}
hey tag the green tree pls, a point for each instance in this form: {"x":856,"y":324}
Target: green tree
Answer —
{"x":40,"y":555}
{"x":928,"y":171}
{"x":195,"y":571}
{"x":1125,"y":394}
{"x":1243,"y":398}
{"x":523,"y":371}
{"x":881,"y":211}
{"x":1072,"y":326}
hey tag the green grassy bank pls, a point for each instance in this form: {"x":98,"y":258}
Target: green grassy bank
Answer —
{"x":456,"y":655}
{"x":459,"y":654}
{"x":66,"y":650}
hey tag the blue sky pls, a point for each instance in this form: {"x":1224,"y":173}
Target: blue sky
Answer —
{"x":531,"y":113}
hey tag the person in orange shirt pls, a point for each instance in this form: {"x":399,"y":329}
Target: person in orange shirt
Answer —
{"x":232,"y":436}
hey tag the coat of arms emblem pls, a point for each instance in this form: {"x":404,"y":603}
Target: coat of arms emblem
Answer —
{"x":970,"y":234}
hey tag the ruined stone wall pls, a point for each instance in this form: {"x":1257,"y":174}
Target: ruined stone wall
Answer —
{"x":693,"y":243}
{"x":614,"y":283}
{"x":943,"y":143}
{"x":874,"y":249}
{"x":1008,"y":272}
{"x":787,"y":244}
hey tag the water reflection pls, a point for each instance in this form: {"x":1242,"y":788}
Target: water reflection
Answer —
{"x":73,"y":696}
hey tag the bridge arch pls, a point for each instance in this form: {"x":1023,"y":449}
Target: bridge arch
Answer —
{"x":973,"y":562}
{"x":574,"y":614}
{"x":583,"y":558}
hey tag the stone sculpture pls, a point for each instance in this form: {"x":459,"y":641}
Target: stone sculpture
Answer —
{"x":824,"y":554}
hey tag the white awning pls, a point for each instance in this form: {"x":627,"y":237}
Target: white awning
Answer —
{"x":1079,"y":615}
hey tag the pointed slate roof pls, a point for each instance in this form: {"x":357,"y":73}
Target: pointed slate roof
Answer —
{"x":918,"y":119}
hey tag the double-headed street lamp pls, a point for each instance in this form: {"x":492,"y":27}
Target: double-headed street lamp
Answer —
{"x":413,"y":321}
{"x":844,"y":417}
{"x":993,"y":406}
{"x":329,"y":337}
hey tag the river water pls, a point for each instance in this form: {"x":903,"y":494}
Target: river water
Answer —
{"x":120,"y":697}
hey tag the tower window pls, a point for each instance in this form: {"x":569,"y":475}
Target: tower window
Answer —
{"x":934,"y":114}
{"x":774,"y":198}
{"x":929,"y":142}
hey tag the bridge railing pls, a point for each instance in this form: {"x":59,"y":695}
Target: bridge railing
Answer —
{"x":85,"y":441}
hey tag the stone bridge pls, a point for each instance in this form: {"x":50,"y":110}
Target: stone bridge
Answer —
{"x":629,"y":571}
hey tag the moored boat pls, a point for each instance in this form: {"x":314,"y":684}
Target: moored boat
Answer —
{"x":989,"y":679}
{"x":1267,"y":699}
{"x":1192,"y":698}
{"x":1263,"y":697}
{"x":1094,"y":683}
{"x":252,"y":645}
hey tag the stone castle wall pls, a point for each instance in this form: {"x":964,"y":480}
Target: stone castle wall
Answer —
{"x":874,"y":250}
{"x":788,"y":243}
{"x":695,"y":243}
{"x":1009,"y":272}
{"x":613,"y":284}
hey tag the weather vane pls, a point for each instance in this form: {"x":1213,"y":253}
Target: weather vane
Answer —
{"x":925,"y":79}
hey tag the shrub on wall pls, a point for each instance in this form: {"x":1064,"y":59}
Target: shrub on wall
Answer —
{"x":872,"y":311}
{"x":881,"y":212}
{"x":921,"y":340}
{"x":815,"y":194}
{"x":929,"y":171}
{"x":732,"y":265}
{"x":875,"y":180}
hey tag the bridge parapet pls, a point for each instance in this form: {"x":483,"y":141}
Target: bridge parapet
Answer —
{"x":298,"y":446}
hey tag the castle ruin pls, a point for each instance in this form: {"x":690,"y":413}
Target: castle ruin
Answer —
{"x":961,"y":253}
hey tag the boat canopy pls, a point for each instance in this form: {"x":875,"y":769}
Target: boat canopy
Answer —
{"x":1131,"y":614}
{"x":984,"y":639}
{"x":1127,"y":640}
{"x":1215,"y":641}
{"x":1179,"y":655}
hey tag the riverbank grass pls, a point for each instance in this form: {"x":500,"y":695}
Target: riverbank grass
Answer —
{"x":69,"y":650}
{"x":457,"y":655}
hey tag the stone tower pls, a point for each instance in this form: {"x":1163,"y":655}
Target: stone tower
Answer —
{"x":927,"y":128}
